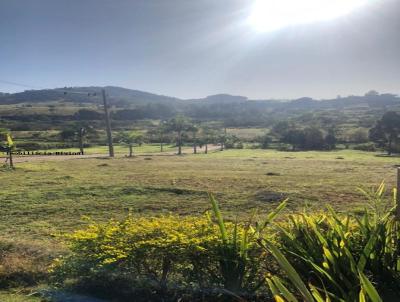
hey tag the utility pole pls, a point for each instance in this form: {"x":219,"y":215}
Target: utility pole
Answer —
{"x":108,"y":126}
{"x":398,"y":195}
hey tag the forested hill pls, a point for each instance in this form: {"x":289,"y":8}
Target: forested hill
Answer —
{"x":117,"y":95}
{"x":124,"y":97}
{"x":57,"y":105}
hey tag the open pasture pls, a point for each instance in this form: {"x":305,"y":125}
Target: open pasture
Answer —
{"x":40,"y":199}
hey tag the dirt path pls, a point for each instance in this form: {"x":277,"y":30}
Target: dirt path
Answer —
{"x":29,"y":158}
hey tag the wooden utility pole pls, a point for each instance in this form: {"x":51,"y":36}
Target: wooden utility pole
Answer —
{"x":108,"y":126}
{"x":398,"y":195}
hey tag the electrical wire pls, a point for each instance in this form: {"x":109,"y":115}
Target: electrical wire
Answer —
{"x":64,"y":90}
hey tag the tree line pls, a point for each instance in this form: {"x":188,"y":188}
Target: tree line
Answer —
{"x":179,"y":130}
{"x":286,"y":135}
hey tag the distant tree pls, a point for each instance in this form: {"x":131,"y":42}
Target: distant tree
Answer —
{"x":232,"y":141}
{"x":67,"y":134}
{"x":78,"y":133}
{"x":281,"y":129}
{"x":161,"y":131}
{"x":330,"y":139}
{"x":130,"y":138}
{"x":193,"y":129}
{"x":208,"y":136}
{"x":386,"y":132}
{"x":222,"y":137}
{"x":310,"y":138}
{"x":313,"y":139}
{"x":372,"y":93}
{"x":179,"y":125}
{"x":265,"y":141}
{"x":294,"y":137}
{"x":359,"y":136}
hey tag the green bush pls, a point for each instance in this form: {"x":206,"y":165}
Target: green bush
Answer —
{"x":334,"y":255}
{"x":365,"y":147}
{"x":163,"y":254}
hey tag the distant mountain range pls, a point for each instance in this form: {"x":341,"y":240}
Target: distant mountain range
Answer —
{"x":124,"y":97}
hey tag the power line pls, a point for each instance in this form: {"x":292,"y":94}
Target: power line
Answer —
{"x":65,"y":90}
{"x":19,"y":84}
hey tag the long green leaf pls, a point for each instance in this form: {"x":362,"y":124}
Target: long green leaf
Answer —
{"x":369,"y":288}
{"x":291,"y":272}
{"x":220,"y":220}
{"x":284,"y":291}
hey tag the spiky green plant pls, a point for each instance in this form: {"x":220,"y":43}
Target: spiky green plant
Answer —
{"x":310,"y":292}
{"x":334,"y":254}
{"x":236,"y":265}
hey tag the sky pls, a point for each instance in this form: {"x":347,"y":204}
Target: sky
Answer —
{"x":195,"y":48}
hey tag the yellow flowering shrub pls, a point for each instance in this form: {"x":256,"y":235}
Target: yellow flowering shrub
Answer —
{"x":185,"y":252}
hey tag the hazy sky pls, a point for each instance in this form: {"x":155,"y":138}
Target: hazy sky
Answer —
{"x":194,"y":48}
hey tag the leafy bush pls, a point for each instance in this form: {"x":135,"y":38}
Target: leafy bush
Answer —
{"x":365,"y":147}
{"x":164,"y":254}
{"x":334,"y":254}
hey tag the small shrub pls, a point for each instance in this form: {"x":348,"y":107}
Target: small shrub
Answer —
{"x":365,"y":147}
{"x":239,"y":145}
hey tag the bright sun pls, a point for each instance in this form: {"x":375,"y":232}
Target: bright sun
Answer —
{"x":269,"y":15}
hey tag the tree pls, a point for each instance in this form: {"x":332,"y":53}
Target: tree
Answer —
{"x":386,"y":131}
{"x":295,"y":138}
{"x":179,"y":125}
{"x":78,"y":133}
{"x":207,"y":137}
{"x":359,"y":136}
{"x":161,"y":131}
{"x":265,"y":141}
{"x":330,"y":139}
{"x":7,"y":145}
{"x":67,"y":134}
{"x":372,"y":93}
{"x":232,"y":141}
{"x":194,"y":129}
{"x":222,"y":138}
{"x":281,"y":129}
{"x":130,"y":138}
{"x":313,"y":139}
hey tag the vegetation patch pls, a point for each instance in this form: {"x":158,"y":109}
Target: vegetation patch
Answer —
{"x":272,"y":174}
{"x":22,"y":264}
{"x":270,"y":196}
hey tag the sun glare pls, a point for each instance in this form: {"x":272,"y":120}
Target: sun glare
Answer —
{"x":270,"y":15}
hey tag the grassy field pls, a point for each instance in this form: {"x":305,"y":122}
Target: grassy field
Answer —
{"x":40,"y":199}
